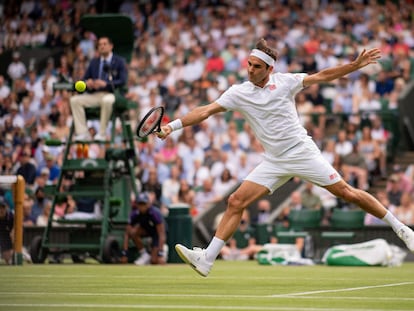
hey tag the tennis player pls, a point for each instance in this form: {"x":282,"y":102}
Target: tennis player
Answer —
{"x":267,"y":103}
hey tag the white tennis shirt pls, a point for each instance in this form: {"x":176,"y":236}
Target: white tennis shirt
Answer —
{"x":270,"y":111}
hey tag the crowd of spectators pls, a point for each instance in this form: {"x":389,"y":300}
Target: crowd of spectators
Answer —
{"x":186,"y":53}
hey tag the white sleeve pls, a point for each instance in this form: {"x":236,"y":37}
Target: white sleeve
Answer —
{"x":295,"y":81}
{"x":227,"y":99}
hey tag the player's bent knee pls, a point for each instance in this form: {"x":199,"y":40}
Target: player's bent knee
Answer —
{"x":235,"y":203}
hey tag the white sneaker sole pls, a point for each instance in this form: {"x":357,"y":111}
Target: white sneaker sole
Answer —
{"x":180,"y":249}
{"x":407,"y":237}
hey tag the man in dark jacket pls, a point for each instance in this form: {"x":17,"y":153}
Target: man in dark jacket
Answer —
{"x":6,"y":231}
{"x":104,"y":74}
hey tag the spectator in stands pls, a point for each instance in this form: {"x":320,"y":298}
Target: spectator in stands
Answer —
{"x":44,"y":126}
{"x":34,"y":84}
{"x":62,"y":129}
{"x":54,"y":115}
{"x":353,"y":134}
{"x":54,"y":168}
{"x":6,"y":232}
{"x":313,"y":94}
{"x":168,"y":153}
{"x":186,"y":195}
{"x":364,"y":99}
{"x":354,"y":169}
{"x":244,"y":167}
{"x":43,"y":218}
{"x":264,"y":209}
{"x":329,"y":153}
{"x":405,"y":211}
{"x":146,"y":220}
{"x":224,"y":184}
{"x":405,"y":182}
{"x":295,"y":203}
{"x":104,"y":73}
{"x":383,"y":84}
{"x":14,"y":116}
{"x":394,"y":192}
{"x":190,"y":152}
{"x":310,"y":200}
{"x":153,"y":185}
{"x":4,"y":89}
{"x":39,"y":200}
{"x":215,"y":62}
{"x":371,"y":151}
{"x":381,"y":195}
{"x":304,"y":108}
{"x":203,"y":137}
{"x":381,"y":136}
{"x":27,"y":114}
{"x":342,"y":102}
{"x":16,"y":69}
{"x":242,"y":245}
{"x":206,"y":196}
{"x":28,"y":217}
{"x":7,"y":164}
{"x":399,"y":86}
{"x":171,"y":186}
{"x":27,"y":169}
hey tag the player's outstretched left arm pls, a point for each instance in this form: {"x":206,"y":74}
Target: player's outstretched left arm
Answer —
{"x":365,"y":58}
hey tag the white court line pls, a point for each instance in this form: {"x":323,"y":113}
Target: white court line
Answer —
{"x":342,"y":289}
{"x":221,"y":296}
{"x":180,"y":307}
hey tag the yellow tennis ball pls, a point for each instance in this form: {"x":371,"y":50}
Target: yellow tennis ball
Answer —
{"x":80,"y":86}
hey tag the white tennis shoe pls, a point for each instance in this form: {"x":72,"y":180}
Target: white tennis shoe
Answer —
{"x":196,"y":258}
{"x":407,"y":235}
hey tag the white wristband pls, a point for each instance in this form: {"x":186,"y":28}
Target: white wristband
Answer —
{"x":176,"y":124}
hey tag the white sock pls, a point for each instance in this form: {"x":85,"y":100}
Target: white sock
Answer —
{"x":390,"y":219}
{"x":214,"y":248}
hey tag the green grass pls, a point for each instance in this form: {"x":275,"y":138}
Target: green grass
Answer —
{"x":230,"y":286}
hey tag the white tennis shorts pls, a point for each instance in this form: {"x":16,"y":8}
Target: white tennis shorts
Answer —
{"x":304,"y":160}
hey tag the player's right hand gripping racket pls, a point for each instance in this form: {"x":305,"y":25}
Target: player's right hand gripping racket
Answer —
{"x":151,"y":122}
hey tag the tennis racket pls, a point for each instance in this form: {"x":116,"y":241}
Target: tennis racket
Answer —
{"x":151,"y":122}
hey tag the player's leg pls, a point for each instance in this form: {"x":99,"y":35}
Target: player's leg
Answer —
{"x":359,"y":197}
{"x":247,"y":193}
{"x":202,"y":260}
{"x":371,"y":205}
{"x":264,"y":179}
{"x":316,"y":169}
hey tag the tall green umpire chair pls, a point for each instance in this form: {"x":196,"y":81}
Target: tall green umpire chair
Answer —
{"x":109,"y":180}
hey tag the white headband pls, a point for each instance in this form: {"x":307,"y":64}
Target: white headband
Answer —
{"x":263,"y":56}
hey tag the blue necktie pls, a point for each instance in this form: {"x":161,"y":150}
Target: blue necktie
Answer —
{"x":102,"y":68}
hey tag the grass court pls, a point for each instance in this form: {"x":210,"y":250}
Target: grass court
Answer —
{"x":230,"y":286}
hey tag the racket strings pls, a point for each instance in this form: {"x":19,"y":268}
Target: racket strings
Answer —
{"x":149,"y":124}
